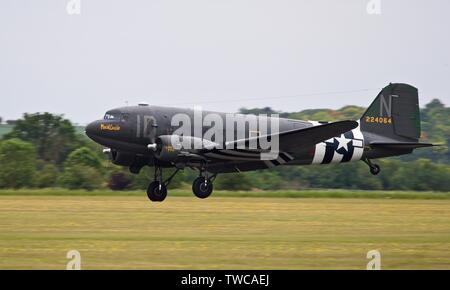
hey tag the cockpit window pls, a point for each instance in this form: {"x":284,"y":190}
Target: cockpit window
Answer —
{"x":116,"y":116}
{"x":112,"y":116}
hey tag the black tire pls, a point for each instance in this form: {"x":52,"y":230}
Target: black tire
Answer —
{"x":202,"y":187}
{"x":375,"y":169}
{"x":155,"y":192}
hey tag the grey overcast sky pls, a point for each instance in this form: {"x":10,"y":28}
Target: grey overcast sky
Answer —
{"x":221,"y":54}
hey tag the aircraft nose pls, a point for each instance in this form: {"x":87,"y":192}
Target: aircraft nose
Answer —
{"x":92,"y":129}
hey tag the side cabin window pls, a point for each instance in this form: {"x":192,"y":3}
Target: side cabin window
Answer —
{"x":125,"y":117}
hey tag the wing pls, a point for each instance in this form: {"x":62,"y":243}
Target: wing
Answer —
{"x":248,"y":149}
{"x":289,"y":142}
{"x":293,"y":140}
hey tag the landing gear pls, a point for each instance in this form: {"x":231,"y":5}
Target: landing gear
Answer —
{"x":374,"y":168}
{"x":157,"y":190}
{"x":203,"y":185}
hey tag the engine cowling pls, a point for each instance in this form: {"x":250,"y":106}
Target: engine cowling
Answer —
{"x":170,"y":148}
{"x":167,"y":148}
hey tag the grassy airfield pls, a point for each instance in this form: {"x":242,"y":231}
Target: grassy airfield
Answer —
{"x":129,"y":232}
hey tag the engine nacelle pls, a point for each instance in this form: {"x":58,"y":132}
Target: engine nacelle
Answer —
{"x":167,"y":148}
{"x":170,"y":148}
{"x":124,"y":158}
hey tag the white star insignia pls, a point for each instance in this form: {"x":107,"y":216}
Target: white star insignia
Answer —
{"x":343,"y":142}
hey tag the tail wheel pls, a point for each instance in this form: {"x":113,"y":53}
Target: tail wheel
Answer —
{"x":375,"y":169}
{"x":202,"y":187}
{"x":156,"y":191}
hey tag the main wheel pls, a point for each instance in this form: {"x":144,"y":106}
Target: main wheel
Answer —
{"x":202,"y":187}
{"x":155,"y":192}
{"x":375,"y":169}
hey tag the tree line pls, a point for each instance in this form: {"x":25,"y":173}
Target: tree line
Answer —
{"x":44,"y":150}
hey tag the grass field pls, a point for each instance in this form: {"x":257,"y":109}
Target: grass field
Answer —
{"x":310,"y":193}
{"x":129,"y":232}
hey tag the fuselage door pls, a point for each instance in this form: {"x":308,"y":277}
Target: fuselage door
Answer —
{"x":150,"y":127}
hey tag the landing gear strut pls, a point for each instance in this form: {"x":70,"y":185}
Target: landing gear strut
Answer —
{"x":157,"y":190}
{"x":203,"y":185}
{"x":374,"y":168}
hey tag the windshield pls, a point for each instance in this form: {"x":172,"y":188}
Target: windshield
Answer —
{"x":112,"y":116}
{"x":116,"y":116}
{"x":109,"y":116}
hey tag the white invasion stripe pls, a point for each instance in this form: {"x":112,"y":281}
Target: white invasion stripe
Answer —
{"x":281,"y":160}
{"x":357,"y":134}
{"x":269,"y":164}
{"x":358,"y":151}
{"x":288,"y":156}
{"x":337,"y":157}
{"x":319,"y":153}
{"x":357,"y":154}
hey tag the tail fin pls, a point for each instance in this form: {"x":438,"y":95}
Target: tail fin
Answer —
{"x":394,"y":115}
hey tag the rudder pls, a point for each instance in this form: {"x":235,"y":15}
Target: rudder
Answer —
{"x":394,"y":114}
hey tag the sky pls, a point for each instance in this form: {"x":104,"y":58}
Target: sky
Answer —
{"x":220,"y":54}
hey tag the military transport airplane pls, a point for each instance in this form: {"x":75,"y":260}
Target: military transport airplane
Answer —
{"x":138,"y":136}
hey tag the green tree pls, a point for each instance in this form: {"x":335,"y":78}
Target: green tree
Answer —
{"x":84,"y":156}
{"x":118,"y":177}
{"x":261,"y":179}
{"x":119,"y":180}
{"x":53,"y":136}
{"x":47,"y":176}
{"x":82,"y":169}
{"x":233,"y":181}
{"x":17,"y":163}
{"x":256,"y":111}
{"x":143,"y":179}
{"x":422,"y":174}
{"x":81,"y":177}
